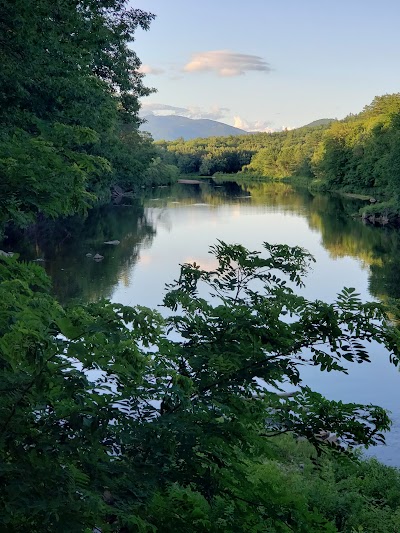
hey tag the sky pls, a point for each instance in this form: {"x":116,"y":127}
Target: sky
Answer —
{"x":265,"y":65}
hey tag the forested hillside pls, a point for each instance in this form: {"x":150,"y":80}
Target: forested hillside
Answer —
{"x":268,"y":154}
{"x":360,"y":154}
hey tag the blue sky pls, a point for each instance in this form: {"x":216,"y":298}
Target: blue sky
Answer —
{"x":269,"y":63}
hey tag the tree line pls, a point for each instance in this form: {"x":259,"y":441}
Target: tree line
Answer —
{"x":359,"y":154}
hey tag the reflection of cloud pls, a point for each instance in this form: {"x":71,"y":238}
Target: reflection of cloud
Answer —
{"x":205,"y":264}
{"x":195,"y":112}
{"x":147,"y":69}
{"x":145,"y":259}
{"x":226,"y":63}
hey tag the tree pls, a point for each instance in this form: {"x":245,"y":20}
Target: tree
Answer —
{"x":69,"y":85}
{"x":134,"y":421}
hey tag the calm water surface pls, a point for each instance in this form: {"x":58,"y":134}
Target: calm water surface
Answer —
{"x":176,"y":225}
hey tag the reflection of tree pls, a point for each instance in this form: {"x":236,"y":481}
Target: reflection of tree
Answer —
{"x":64,"y":245}
{"x":377,"y":248}
{"x":229,"y":192}
{"x":341,"y":234}
{"x":385,"y":278}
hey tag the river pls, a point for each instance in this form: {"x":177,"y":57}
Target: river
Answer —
{"x":175,"y":225}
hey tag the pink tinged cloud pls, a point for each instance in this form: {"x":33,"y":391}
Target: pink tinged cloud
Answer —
{"x":258,"y":125}
{"x":147,"y":69}
{"x":226,"y":63}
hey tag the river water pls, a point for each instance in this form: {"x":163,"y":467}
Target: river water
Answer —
{"x":175,"y":225}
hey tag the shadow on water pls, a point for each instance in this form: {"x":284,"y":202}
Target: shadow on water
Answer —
{"x":63,"y":247}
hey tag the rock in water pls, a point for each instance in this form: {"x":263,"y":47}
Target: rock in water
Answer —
{"x":112,"y":242}
{"x":98,"y":257}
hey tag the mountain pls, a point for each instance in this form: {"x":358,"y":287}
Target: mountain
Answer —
{"x":171,"y":127}
{"x":320,"y":122}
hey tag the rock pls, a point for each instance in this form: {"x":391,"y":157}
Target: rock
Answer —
{"x":89,"y":255}
{"x":98,"y":257}
{"x":112,"y":242}
{"x":117,"y":190}
{"x":372,"y":200}
{"x":326,"y":436}
{"x":39,"y":260}
{"x":6,"y":254}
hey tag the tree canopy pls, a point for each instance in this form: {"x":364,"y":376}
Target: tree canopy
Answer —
{"x":359,"y":154}
{"x":69,"y":99}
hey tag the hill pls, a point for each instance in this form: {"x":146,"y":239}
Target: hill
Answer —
{"x":320,"y":122}
{"x":171,"y":127}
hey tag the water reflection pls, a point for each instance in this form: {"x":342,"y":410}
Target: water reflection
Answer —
{"x":63,"y":245}
{"x":66,"y":249}
{"x":172,"y":225}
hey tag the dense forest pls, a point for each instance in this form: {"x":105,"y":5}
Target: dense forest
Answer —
{"x":359,"y":154}
{"x":69,"y":90}
{"x":125,"y":419}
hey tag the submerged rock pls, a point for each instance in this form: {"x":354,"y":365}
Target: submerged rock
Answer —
{"x":112,"y":242}
{"x":98,"y":257}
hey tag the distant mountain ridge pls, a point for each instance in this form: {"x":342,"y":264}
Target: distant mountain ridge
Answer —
{"x":171,"y":127}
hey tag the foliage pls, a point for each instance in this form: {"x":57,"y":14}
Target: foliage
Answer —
{"x":69,"y":88}
{"x":161,"y":171}
{"x":273,"y":155}
{"x":127,"y":420}
{"x":357,"y":154}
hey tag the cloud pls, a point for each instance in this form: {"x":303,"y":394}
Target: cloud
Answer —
{"x":258,"y":125}
{"x":213,"y":113}
{"x":147,"y":69}
{"x":226,"y":63}
{"x":155,"y":108}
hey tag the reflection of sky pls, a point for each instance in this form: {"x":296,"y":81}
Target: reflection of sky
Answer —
{"x":192,"y":229}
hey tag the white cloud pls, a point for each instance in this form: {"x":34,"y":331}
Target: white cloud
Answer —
{"x":157,"y":108}
{"x":258,"y":125}
{"x":147,"y":69}
{"x":226,"y":63}
{"x":213,"y":113}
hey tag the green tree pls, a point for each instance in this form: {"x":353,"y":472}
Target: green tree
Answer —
{"x":69,"y":84}
{"x":120,"y":418}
